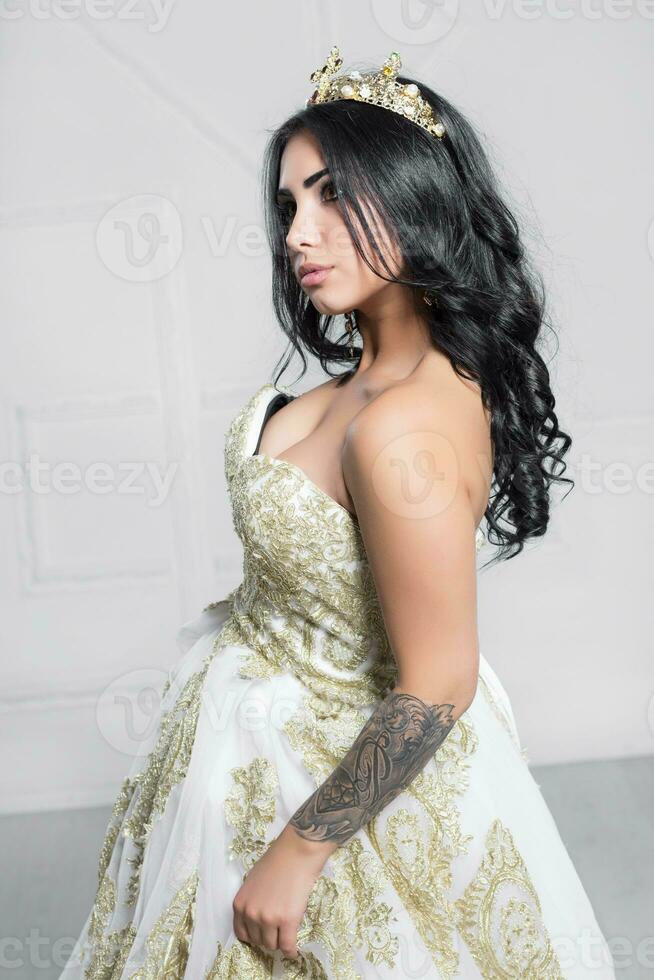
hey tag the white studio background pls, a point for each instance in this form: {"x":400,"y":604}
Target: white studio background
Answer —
{"x":136,"y":319}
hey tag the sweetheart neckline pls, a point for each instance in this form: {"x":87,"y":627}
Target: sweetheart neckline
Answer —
{"x":351,"y":520}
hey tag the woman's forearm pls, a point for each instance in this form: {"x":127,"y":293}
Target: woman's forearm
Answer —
{"x":395,"y":744}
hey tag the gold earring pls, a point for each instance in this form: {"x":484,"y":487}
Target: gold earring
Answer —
{"x":350,"y":324}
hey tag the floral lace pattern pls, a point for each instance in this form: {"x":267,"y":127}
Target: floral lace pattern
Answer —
{"x":500,"y":915}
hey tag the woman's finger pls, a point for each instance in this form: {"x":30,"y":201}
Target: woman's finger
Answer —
{"x":255,"y":932}
{"x":240,"y":926}
{"x":288,"y":940}
{"x":269,"y":936}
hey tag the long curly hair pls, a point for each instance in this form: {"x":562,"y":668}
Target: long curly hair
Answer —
{"x":441,"y":203}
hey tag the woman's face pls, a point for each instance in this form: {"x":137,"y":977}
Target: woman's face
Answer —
{"x":317,"y":233}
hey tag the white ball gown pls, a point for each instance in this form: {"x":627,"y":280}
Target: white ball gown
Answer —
{"x":463,"y":874}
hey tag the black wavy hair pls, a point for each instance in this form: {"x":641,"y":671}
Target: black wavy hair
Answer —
{"x":440,"y":201}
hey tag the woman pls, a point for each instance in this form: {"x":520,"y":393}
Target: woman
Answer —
{"x":338,"y":787}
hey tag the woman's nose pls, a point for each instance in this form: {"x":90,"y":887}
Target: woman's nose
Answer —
{"x":303,"y":231}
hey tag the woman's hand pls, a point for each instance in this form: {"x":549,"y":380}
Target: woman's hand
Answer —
{"x":271,"y":902}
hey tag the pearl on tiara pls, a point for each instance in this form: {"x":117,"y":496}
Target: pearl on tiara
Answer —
{"x":377,"y":88}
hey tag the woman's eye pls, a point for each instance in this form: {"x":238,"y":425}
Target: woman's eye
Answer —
{"x":329,"y":186}
{"x":287,"y":210}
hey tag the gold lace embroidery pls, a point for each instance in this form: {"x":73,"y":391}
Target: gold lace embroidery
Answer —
{"x":113,"y":829}
{"x":250,"y":807}
{"x":357,"y":884}
{"x":322,"y":732}
{"x":343,"y":912}
{"x":241,"y":961}
{"x":418,"y":847}
{"x":219,"y":602}
{"x":169,"y":942}
{"x":110,"y":949}
{"x":499,"y":915}
{"x":165,"y":767}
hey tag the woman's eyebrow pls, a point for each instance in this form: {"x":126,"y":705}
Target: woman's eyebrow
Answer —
{"x":283,"y":192}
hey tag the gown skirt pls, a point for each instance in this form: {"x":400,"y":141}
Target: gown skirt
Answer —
{"x":463,"y":874}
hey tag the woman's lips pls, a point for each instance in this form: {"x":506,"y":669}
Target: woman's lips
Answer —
{"x":313,"y":278}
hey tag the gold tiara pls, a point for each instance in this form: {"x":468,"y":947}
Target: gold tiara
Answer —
{"x":377,"y":87}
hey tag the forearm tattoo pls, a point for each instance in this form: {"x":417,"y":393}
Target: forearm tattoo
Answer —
{"x":394,"y":745}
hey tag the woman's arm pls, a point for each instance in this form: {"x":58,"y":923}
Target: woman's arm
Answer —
{"x":405,"y":465}
{"x":393,"y":746}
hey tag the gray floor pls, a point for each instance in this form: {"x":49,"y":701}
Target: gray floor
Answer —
{"x":604,"y":811}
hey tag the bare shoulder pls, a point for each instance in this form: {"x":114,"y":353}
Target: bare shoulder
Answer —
{"x":438,"y":402}
{"x":432,"y":425}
